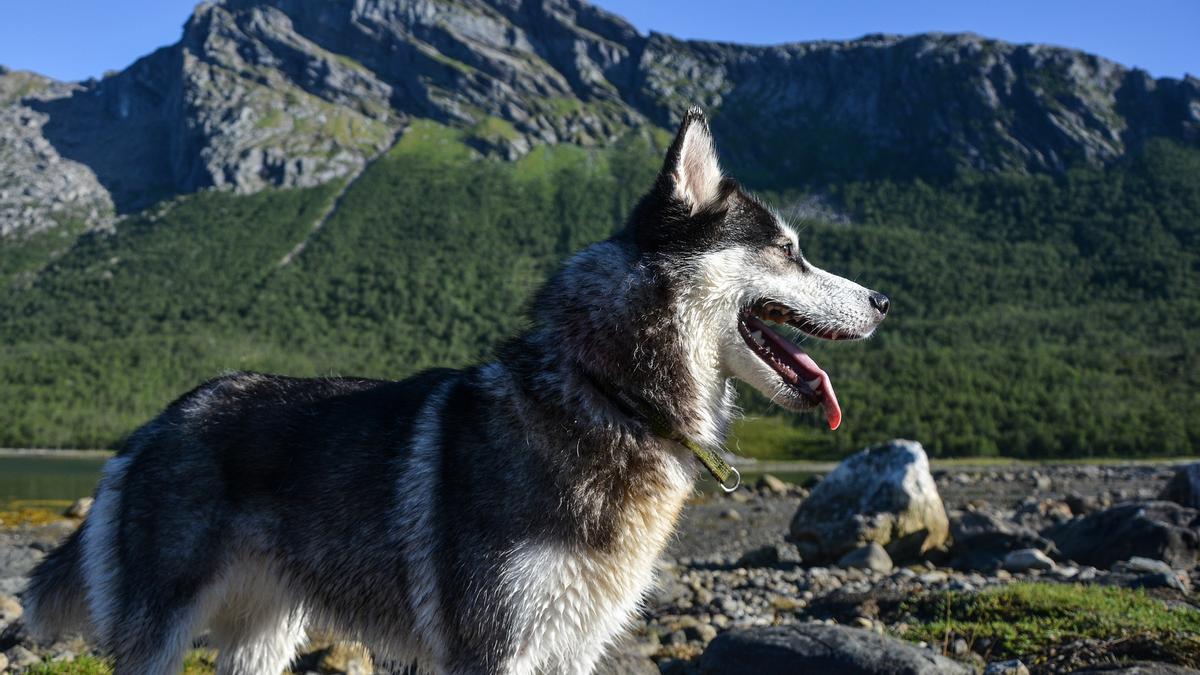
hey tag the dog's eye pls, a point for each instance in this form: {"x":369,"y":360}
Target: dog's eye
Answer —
{"x":789,"y":251}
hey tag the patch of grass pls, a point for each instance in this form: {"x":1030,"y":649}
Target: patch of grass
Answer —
{"x":84,"y":665}
{"x":544,"y":161}
{"x":447,"y":61}
{"x":1034,"y":620}
{"x":494,"y":129}
{"x":429,"y":139}
{"x":272,"y":120}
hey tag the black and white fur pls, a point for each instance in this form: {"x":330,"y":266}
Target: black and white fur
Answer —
{"x":499,"y":519}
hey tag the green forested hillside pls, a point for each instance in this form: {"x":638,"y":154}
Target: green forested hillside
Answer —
{"x":1032,"y":316}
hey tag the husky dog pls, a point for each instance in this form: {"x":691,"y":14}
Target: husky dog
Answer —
{"x":500,"y":519}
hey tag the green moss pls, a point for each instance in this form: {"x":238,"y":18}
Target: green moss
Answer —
{"x":352,"y":63}
{"x":447,"y":61}
{"x":198,"y":662}
{"x":1029,"y":620}
{"x":432,"y":140}
{"x":84,"y":665}
{"x":273,"y":119}
{"x":494,"y":129}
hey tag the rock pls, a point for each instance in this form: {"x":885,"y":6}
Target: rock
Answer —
{"x":933,"y":577}
{"x":769,"y":483}
{"x":1158,"y":530}
{"x":1147,"y":573}
{"x":10,"y":610}
{"x":1027,"y":559}
{"x":731,"y":514}
{"x":3,"y":663}
{"x":770,"y":555}
{"x":870,"y":557}
{"x":1184,"y":486}
{"x":1013,"y":667}
{"x":20,"y":657}
{"x":1037,"y":514}
{"x":1082,"y":505}
{"x":80,"y":508}
{"x":982,"y":538}
{"x":1042,"y":483}
{"x":1140,"y":565}
{"x":625,"y":663}
{"x":885,"y":495}
{"x":346,"y":657}
{"x":1137,"y":669}
{"x":802,"y":649}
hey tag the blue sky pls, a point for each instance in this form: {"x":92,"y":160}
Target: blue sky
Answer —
{"x":75,"y":39}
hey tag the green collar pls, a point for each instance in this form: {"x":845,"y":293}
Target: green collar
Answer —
{"x":711,"y":459}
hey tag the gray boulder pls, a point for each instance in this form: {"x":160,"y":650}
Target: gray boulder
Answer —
{"x":1184,"y":487}
{"x":981,"y":539}
{"x":884,"y":495}
{"x":802,"y":649}
{"x":1158,"y":530}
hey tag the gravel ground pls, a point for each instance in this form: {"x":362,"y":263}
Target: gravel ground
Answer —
{"x":729,"y":565}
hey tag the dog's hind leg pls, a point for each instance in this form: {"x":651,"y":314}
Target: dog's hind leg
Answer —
{"x":258,"y":644}
{"x":258,"y":625}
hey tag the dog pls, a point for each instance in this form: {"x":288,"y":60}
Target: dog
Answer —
{"x":501,"y":519}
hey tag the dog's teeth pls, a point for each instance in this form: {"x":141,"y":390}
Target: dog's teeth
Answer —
{"x":815,"y":384}
{"x":758,"y":336}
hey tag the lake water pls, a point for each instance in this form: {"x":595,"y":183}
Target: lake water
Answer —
{"x":41,"y":477}
{"x":48,"y":478}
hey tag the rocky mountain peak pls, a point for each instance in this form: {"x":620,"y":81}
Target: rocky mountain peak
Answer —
{"x":262,"y":93}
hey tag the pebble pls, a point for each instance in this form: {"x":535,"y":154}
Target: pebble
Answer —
{"x":1013,"y":667}
{"x":1026,"y":559}
{"x":20,"y":657}
{"x":10,"y":610}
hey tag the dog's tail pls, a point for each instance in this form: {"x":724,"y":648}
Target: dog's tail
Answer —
{"x":56,"y":598}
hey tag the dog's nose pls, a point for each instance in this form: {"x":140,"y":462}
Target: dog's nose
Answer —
{"x":880,"y":302}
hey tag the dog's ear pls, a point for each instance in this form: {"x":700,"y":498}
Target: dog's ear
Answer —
{"x":691,"y":171}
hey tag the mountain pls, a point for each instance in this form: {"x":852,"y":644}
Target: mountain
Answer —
{"x":290,"y":93}
{"x":375,"y":186}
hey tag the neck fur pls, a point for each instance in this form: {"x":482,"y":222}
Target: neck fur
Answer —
{"x":625,"y":321}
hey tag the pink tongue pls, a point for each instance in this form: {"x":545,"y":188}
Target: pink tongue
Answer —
{"x":804,"y":366}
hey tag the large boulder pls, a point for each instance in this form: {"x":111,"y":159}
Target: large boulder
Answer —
{"x":883,"y":494}
{"x":981,"y":540}
{"x":802,"y":649}
{"x":1184,"y":486}
{"x":1159,"y":530}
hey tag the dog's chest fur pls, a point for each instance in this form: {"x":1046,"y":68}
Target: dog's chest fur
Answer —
{"x":568,"y":595}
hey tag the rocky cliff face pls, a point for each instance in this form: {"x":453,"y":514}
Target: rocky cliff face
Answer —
{"x":262,"y":93}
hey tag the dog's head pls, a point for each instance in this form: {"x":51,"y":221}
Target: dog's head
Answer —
{"x":740,"y":268}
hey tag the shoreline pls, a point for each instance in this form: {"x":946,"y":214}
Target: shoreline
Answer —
{"x":17,"y":453}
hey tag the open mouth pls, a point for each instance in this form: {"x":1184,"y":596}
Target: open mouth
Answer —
{"x":794,"y":367}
